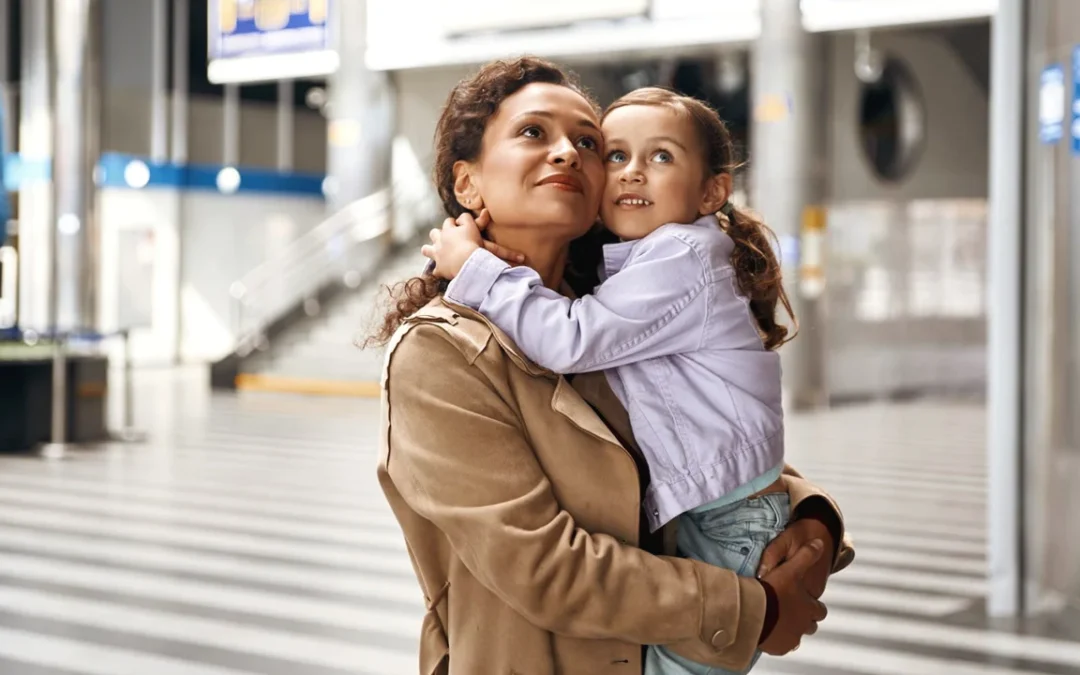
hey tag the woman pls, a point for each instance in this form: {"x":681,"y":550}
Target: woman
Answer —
{"x":520,"y":506}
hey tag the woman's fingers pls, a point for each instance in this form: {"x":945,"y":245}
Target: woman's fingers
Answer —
{"x":506,"y":254}
{"x":778,"y":550}
{"x":434,"y":235}
{"x":484,"y":219}
{"x":428,"y":251}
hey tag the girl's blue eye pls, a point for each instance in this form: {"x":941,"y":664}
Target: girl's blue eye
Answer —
{"x":616,"y":156}
{"x":663,"y":156}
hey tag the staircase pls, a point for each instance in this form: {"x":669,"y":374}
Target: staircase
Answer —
{"x":321,"y":354}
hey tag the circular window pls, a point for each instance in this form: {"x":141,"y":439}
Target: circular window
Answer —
{"x":892,"y":121}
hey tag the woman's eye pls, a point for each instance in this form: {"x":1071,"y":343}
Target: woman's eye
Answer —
{"x":531,"y":132}
{"x":663,"y":156}
{"x":589,"y":143}
{"x":616,"y":156}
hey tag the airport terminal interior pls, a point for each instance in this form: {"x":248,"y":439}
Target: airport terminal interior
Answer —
{"x":204,"y":202}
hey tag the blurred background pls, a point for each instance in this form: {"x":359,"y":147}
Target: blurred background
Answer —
{"x":202,"y":197}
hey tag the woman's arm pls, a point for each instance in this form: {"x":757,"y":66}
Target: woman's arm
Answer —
{"x":808,"y":501}
{"x":459,"y":457}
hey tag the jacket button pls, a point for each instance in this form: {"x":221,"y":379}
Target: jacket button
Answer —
{"x":719,"y":639}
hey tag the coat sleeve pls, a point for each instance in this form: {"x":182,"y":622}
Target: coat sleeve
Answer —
{"x":485,"y":490}
{"x":805,"y":494}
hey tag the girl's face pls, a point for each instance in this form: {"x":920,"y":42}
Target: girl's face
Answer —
{"x":655,"y":171}
{"x":540,"y":165}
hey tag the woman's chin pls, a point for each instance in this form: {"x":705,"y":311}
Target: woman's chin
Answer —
{"x":571,"y":223}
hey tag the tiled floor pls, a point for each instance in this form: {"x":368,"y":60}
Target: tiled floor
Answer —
{"x":250,"y":537}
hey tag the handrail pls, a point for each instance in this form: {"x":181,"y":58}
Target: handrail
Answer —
{"x":340,"y":250}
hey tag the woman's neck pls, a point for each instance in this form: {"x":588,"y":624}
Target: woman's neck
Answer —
{"x":545,"y":255}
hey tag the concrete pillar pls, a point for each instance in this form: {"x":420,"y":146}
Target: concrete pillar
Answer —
{"x":75,"y":245}
{"x":35,"y":147}
{"x":786,"y":161}
{"x":361,"y":121}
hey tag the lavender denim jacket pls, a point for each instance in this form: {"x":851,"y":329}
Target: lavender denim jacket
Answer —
{"x":678,"y":345}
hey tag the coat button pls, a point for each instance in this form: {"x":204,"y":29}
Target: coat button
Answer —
{"x":719,"y":639}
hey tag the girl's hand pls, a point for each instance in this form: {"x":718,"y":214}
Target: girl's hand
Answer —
{"x":452,"y":245}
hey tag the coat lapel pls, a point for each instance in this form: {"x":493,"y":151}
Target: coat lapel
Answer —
{"x":568,"y":402}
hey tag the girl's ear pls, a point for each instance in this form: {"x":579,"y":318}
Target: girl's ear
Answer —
{"x":718,"y":190}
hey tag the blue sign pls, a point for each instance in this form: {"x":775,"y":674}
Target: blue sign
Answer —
{"x":1076,"y":101}
{"x":1052,"y":104}
{"x":244,"y":28}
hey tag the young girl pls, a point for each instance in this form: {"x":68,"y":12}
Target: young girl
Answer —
{"x":683,"y":325}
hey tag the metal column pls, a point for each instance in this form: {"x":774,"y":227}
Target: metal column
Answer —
{"x":230,"y":133}
{"x":35,"y":149}
{"x":181,"y":30}
{"x":7,"y":126}
{"x":74,"y":248}
{"x":787,"y":110}
{"x":159,"y":94}
{"x":361,"y":124}
{"x":1005,"y":255}
{"x":285,"y":125}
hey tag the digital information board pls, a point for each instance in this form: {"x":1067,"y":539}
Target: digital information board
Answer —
{"x":262,"y":40}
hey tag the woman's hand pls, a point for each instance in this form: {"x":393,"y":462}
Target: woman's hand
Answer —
{"x":798,"y":613}
{"x":452,"y":245}
{"x":794,"y":537}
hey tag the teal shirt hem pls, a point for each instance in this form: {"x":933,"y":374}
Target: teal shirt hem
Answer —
{"x":743,"y":491}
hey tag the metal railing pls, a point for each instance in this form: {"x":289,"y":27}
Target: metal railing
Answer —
{"x":339,"y":251}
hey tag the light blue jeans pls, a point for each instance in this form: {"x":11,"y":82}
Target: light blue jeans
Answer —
{"x":733,"y":537}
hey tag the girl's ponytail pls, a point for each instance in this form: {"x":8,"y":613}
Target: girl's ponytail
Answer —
{"x":757,"y":271}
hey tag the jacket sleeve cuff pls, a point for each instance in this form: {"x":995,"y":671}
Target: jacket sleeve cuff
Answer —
{"x":477,"y":276}
{"x":733,"y":614}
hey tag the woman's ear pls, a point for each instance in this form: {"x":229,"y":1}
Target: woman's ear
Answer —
{"x":718,"y":190}
{"x":466,"y":189}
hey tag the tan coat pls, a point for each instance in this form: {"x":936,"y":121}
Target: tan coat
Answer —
{"x":520,"y":508}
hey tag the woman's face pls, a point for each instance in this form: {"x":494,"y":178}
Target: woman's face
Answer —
{"x":541,"y":163}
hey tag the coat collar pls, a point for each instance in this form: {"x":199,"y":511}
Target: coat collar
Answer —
{"x":565,"y":400}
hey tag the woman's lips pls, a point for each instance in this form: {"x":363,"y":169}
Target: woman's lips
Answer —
{"x":563,"y":181}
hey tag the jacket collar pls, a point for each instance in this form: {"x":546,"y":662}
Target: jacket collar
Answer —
{"x":616,"y":255}
{"x":565,"y":400}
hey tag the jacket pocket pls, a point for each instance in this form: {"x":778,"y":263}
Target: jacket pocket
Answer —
{"x":434,"y":646}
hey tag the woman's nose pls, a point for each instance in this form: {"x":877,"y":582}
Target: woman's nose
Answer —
{"x":565,"y":153}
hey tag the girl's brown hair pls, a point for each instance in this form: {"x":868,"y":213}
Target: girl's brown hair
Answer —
{"x":459,"y":136}
{"x":757,"y":269}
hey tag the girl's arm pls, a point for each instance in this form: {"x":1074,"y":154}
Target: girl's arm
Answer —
{"x":655,"y":306}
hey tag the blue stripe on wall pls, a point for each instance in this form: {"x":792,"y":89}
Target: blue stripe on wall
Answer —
{"x":112,"y":167}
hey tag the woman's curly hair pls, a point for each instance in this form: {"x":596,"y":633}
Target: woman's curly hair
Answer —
{"x":459,"y":136}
